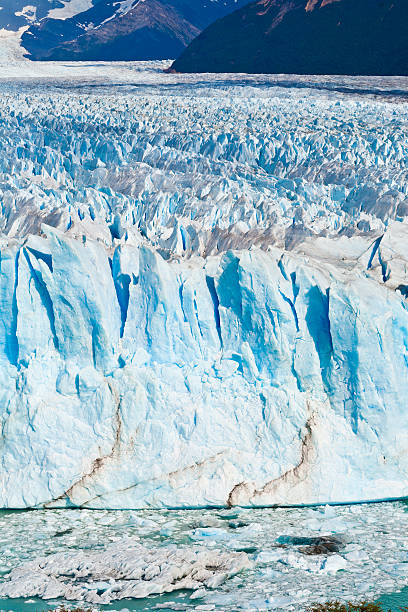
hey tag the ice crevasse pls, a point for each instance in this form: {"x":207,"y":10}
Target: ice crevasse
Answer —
{"x":150,"y":356}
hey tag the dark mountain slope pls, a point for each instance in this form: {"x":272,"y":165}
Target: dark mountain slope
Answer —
{"x":305,"y":37}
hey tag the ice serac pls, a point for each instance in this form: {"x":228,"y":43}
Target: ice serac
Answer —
{"x":202,"y":321}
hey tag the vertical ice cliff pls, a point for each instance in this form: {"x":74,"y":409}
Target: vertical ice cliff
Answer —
{"x":195,"y":315}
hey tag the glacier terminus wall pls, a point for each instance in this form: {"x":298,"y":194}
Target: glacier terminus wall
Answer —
{"x":202,"y":296}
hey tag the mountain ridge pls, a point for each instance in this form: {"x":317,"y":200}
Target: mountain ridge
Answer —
{"x":356,"y":37}
{"x":126,"y":30}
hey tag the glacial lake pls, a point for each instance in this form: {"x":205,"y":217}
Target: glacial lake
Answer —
{"x":372,"y":562}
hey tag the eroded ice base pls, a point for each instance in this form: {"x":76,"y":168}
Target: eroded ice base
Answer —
{"x":99,"y":556}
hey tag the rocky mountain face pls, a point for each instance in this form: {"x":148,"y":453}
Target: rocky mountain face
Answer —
{"x":111,"y":30}
{"x":363,"y":37}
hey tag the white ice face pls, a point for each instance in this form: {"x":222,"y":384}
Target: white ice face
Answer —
{"x":202,"y":294}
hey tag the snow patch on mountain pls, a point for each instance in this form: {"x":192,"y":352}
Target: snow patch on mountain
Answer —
{"x":70,"y":9}
{"x":29,"y":12}
{"x":125,"y":5}
{"x":122,"y":7}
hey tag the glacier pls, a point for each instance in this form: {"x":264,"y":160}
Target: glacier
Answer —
{"x":203,"y":292}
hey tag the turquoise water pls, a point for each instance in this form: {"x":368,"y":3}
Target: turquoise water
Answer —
{"x":394,"y":601}
{"x":38,"y":605}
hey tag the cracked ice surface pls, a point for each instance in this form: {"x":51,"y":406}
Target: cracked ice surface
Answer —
{"x":236,"y":559}
{"x":202,"y":291}
{"x":200,"y":174}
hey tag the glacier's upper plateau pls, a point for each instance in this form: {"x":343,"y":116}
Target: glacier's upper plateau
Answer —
{"x":203,"y":289}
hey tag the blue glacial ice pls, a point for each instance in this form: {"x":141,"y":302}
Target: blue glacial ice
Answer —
{"x":202,"y":298}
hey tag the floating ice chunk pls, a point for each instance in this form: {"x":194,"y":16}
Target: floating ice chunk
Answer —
{"x":212,"y":533}
{"x":168,"y":528}
{"x":199,"y":594}
{"x":124,"y":569}
{"x":277,"y":601}
{"x":333,"y":564}
{"x":144,"y":523}
{"x":270,"y":556}
{"x":356,"y":555}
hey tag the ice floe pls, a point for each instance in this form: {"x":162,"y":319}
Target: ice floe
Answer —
{"x":277,"y":560}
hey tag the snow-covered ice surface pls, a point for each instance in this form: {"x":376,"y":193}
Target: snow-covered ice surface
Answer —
{"x":202,"y":289}
{"x":243,"y":559}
